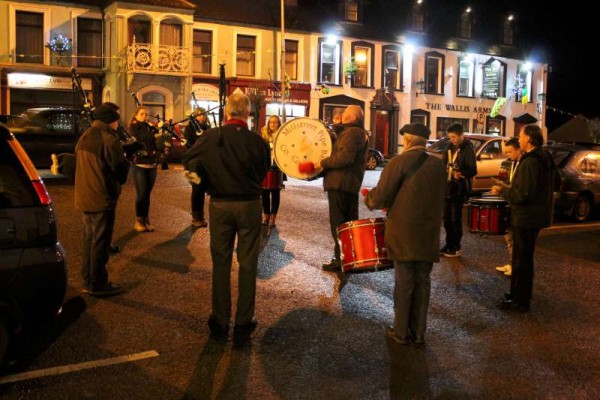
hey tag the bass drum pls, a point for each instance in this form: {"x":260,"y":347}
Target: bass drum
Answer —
{"x":302,"y":141}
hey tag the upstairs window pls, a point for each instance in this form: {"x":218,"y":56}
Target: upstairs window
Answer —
{"x":362,"y":55}
{"x":89,"y":42}
{"x":170,"y":34}
{"x":465,"y":25}
{"x":392,"y":68}
{"x":139,"y":31}
{"x":351,"y":10}
{"x":417,"y":19}
{"x":30,"y":37}
{"x":523,"y":83}
{"x":246,"y":57}
{"x":508,"y":33}
{"x":494,"y":79}
{"x":330,"y":54}
{"x":466,"y":76}
{"x":434,"y":72}
{"x":291,"y":59}
{"x":202,"y":51}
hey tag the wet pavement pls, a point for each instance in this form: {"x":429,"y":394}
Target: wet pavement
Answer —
{"x":320,"y":334}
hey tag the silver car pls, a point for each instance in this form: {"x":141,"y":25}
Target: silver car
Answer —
{"x":490,"y":152}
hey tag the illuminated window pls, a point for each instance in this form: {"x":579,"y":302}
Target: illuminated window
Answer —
{"x":246,"y":57}
{"x":466,"y":76}
{"x":434,"y":72}
{"x":392,"y":67}
{"x":523,"y":83}
{"x":351,"y":10}
{"x":362,"y":57}
{"x":330,"y":61}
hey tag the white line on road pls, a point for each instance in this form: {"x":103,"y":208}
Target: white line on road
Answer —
{"x":573,"y":226}
{"x":76,"y":367}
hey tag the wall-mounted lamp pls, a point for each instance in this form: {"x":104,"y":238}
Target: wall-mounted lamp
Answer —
{"x":420,"y":87}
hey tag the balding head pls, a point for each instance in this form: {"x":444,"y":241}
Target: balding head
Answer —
{"x":352,"y":115}
{"x":237,"y":106}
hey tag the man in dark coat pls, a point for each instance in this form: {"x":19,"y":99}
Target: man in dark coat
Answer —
{"x":344,"y":171}
{"x":531,"y":201}
{"x":101,"y":170}
{"x":412,"y":188}
{"x":461,"y":167}
{"x":231,"y":162}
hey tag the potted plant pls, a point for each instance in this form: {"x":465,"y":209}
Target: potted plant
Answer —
{"x":59,"y":46}
{"x":350,"y":69}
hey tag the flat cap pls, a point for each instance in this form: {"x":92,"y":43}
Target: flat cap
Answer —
{"x":416,"y":129}
{"x":106,"y":113}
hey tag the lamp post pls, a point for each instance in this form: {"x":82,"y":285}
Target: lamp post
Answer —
{"x":282,"y":73}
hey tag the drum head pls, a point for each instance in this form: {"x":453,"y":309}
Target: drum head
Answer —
{"x":488,"y":200}
{"x":301,"y":140}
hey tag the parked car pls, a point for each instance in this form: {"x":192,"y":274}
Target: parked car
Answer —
{"x":33,"y":276}
{"x":46,"y":131}
{"x":374,"y":159}
{"x":490,"y":152}
{"x":579,"y":167}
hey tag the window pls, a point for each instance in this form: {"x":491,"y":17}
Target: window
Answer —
{"x":170,"y":34}
{"x":494,"y":76}
{"x":139,"y":31}
{"x":392,"y":68}
{"x":30,"y":37}
{"x":351,"y":10}
{"x":202,"y":51}
{"x":330,"y":61}
{"x":495,"y":126}
{"x":494,"y":150}
{"x":245,"y":57}
{"x":465,"y":25}
{"x":466,"y":76}
{"x":508,"y":33}
{"x":89,"y":42}
{"x":155,"y":101}
{"x":434,"y":68}
{"x":362,"y":56}
{"x":523,"y":83}
{"x":291,"y":59}
{"x":443,"y":123}
{"x":417,"y":19}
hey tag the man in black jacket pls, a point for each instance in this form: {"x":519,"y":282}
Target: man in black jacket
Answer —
{"x":231,"y":161}
{"x":531,"y":200}
{"x":461,"y":167}
{"x":197,"y":125}
{"x":344,"y":171}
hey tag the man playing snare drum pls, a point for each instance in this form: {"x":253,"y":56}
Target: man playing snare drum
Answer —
{"x":411,"y":187}
{"x":344,"y":171}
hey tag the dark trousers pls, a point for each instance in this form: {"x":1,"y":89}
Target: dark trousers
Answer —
{"x":198,"y":202}
{"x":270,"y":201}
{"x":453,"y":207}
{"x":343,"y":207}
{"x":97,"y":234}
{"x":521,"y":279}
{"x":411,"y":297}
{"x":144,"y":179}
{"x":229,"y":219}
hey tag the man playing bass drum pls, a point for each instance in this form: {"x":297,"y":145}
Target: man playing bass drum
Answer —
{"x":195,"y":128}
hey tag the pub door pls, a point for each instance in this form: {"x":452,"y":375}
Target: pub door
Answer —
{"x":382,"y":128}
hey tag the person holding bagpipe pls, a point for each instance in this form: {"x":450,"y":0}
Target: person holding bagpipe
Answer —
{"x":197,"y":125}
{"x":144,"y":165}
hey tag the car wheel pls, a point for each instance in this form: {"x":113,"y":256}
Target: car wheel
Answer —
{"x":371,"y":162}
{"x":582,"y":209}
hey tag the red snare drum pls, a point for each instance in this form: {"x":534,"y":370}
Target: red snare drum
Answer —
{"x":273,"y":180}
{"x":488,"y":215}
{"x":362,"y":248}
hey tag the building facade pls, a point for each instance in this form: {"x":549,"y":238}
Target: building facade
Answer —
{"x":173,"y":56}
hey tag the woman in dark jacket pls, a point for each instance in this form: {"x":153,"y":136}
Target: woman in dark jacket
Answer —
{"x":144,"y":166}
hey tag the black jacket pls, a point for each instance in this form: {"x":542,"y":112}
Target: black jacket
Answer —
{"x":466,"y":163}
{"x":153,"y":142}
{"x":191,"y":134}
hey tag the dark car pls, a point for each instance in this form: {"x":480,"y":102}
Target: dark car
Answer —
{"x":490,"y":152}
{"x":46,"y":131}
{"x":33,"y":276}
{"x":374,"y":159}
{"x":579,"y":167}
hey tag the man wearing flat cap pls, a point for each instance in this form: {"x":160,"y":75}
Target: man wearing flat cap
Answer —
{"x":411,"y":188}
{"x":101,"y":169}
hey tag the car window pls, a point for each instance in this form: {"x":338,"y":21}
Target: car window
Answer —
{"x":493,"y":148}
{"x":590,"y":164}
{"x":559,"y":156}
{"x":15,"y":187}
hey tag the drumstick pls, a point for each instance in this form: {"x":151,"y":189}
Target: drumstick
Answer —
{"x":499,"y":182}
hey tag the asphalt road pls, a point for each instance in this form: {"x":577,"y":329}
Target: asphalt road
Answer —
{"x":320,"y":334}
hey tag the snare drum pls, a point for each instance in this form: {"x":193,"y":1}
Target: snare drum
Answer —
{"x":489,"y":215}
{"x":362,"y":247}
{"x":273,"y":180}
{"x":302,"y":140}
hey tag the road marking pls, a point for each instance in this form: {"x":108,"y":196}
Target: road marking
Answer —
{"x":573,"y":226}
{"x":76,"y":367}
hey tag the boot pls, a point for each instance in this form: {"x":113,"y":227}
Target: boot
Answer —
{"x":139,"y":225}
{"x":149,"y":227}
{"x":266,"y":219}
{"x":272,"y":220}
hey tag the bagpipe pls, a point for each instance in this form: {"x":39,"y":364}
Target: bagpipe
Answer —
{"x":128,"y":142}
{"x":167,"y":129}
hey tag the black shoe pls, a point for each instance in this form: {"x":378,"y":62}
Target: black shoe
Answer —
{"x":444,"y":249}
{"x":107,"y":290}
{"x":114,"y":249}
{"x":333,"y":265}
{"x":390,"y":334}
{"x":218,"y":332}
{"x":513,"y":305}
{"x":508,"y":296}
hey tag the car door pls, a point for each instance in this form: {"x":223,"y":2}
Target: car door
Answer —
{"x":489,"y":159}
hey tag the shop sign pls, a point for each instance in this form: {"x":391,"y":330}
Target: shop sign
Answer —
{"x":457,"y":108}
{"x":271,"y":95}
{"x":203,"y":91}
{"x":17,"y":80}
